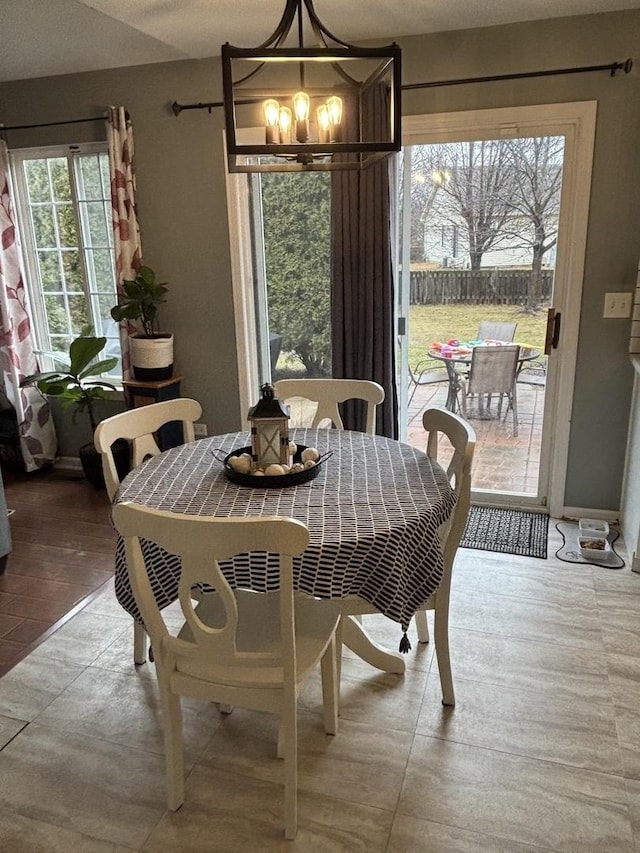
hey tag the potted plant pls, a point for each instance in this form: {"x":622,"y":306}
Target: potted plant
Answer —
{"x":151,"y":350}
{"x":72,"y":384}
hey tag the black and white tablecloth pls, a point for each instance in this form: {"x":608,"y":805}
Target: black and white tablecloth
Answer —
{"x":373,"y":514}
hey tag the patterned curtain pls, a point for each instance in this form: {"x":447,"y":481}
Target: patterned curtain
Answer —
{"x":38,"y":441}
{"x":126,"y":230}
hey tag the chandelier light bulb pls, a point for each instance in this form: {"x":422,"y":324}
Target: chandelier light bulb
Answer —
{"x":441,"y":176}
{"x":323,"y":123}
{"x":301,"y":106}
{"x":285,"y":120}
{"x":334,"y":106}
{"x":271,"y":118}
{"x":301,"y":109}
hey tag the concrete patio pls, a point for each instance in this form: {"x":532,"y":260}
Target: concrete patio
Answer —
{"x":502,"y":462}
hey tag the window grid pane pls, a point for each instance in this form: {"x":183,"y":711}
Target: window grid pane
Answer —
{"x":69,"y":210}
{"x":94,"y":207}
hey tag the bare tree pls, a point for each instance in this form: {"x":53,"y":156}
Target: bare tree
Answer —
{"x":477,"y":190}
{"x":536,"y":166}
{"x":501,"y":194}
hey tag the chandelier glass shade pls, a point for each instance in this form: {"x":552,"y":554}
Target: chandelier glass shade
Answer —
{"x":305,"y":108}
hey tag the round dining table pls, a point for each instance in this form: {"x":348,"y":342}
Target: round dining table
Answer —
{"x":373,"y":513}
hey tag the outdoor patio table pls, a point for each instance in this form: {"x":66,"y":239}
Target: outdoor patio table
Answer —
{"x":454,"y":356}
{"x":373,"y":514}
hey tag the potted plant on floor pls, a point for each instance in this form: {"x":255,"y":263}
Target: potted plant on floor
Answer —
{"x":151,"y":350}
{"x":75,"y":385}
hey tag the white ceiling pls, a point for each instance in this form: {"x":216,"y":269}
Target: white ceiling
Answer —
{"x":45,"y":37}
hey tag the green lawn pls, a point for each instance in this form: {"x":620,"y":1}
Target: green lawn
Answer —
{"x":429,"y":323}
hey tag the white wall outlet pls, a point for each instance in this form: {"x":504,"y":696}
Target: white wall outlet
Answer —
{"x":617,"y":304}
{"x":200,"y":430}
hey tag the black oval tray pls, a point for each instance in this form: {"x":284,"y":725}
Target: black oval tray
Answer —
{"x":278,"y":482}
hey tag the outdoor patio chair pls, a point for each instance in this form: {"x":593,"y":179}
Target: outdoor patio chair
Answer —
{"x":426,"y":372}
{"x":493,"y":371}
{"x":490,"y":331}
{"x":533,"y":373}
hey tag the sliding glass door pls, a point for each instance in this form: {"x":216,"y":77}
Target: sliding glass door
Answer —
{"x":491,"y":232}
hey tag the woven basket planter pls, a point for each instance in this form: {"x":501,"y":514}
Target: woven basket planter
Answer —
{"x":152,"y":356}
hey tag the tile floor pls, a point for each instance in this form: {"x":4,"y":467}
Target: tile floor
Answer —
{"x":541,"y":752}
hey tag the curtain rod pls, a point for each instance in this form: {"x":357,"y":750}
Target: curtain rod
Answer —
{"x":612,"y":67}
{"x":4,"y":127}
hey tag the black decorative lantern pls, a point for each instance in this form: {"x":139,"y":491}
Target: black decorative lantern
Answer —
{"x":269,"y":430}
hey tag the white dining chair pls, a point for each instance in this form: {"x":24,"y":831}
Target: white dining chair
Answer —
{"x":329,"y":393}
{"x":451,"y":443}
{"x":138,"y":427}
{"x":238,"y":648}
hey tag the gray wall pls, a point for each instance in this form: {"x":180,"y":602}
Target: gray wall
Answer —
{"x":180,"y":172}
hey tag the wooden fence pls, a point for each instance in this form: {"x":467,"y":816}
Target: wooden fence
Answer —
{"x":474,"y":287}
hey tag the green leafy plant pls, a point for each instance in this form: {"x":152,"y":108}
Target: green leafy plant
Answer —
{"x":140,"y":300}
{"x":71,"y":383}
{"x":298,"y":268}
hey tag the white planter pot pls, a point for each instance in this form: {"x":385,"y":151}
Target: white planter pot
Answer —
{"x":152,"y":357}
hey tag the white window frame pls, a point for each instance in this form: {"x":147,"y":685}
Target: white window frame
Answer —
{"x":33,"y":284}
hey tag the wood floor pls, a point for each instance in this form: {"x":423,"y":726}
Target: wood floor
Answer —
{"x":63,"y":550}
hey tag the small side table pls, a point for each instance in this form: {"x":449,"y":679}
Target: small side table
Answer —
{"x":137,"y":393}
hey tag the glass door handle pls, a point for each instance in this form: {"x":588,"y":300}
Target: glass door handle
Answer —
{"x":552,"y":335}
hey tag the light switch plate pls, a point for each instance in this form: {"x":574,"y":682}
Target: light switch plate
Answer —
{"x":618,"y":304}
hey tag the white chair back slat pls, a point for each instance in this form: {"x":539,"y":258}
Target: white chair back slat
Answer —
{"x":138,"y":427}
{"x":329,"y":393}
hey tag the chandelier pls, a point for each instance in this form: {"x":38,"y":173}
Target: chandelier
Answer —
{"x":326,"y":107}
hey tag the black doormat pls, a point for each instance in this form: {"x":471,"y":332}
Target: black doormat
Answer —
{"x":570,"y":550}
{"x":506,"y":531}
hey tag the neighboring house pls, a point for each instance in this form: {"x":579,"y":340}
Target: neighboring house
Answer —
{"x":446,"y":245}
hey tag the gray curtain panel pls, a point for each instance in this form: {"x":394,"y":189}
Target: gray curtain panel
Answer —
{"x":362,"y":286}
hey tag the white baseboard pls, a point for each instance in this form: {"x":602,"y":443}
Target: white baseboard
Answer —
{"x":575,"y":512}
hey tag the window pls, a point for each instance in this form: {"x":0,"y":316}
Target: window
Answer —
{"x":291,"y":232}
{"x":64,"y":215}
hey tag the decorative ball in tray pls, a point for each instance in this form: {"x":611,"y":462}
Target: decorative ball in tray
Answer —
{"x":306,"y":463}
